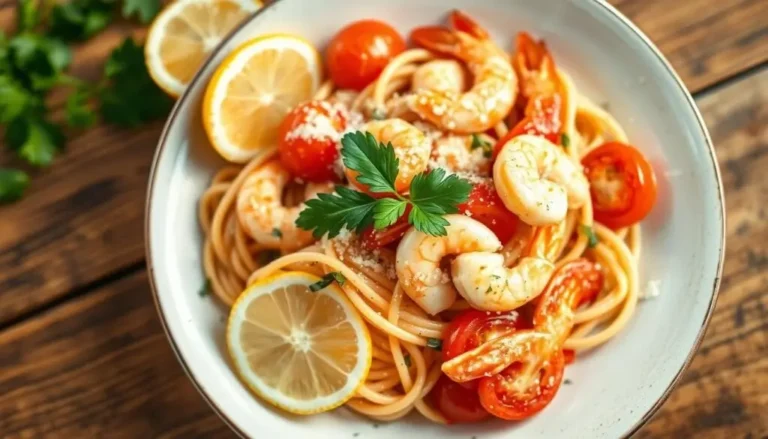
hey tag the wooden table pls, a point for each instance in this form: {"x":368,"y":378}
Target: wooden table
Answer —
{"x":82,"y":353}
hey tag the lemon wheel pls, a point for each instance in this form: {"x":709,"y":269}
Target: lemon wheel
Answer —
{"x":252,"y":91}
{"x":305,"y":352}
{"x":184,"y":34}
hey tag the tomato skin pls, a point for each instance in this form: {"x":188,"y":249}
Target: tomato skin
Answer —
{"x":503,"y":402}
{"x":485,"y":205}
{"x":569,"y":355}
{"x":360,"y":51}
{"x":456,"y":402}
{"x":472,"y":328}
{"x":310,"y":158}
{"x":616,"y":162}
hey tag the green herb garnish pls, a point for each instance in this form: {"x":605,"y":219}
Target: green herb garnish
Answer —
{"x":13,"y":183}
{"x":407,"y":360}
{"x":277,"y":233}
{"x":565,"y":140}
{"x":477,"y":142}
{"x":432,"y":195}
{"x":205,"y":289}
{"x":591,"y":236}
{"x":327,"y":280}
{"x":435,"y":343}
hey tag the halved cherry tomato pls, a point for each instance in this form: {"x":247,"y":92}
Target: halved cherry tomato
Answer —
{"x":360,"y":51}
{"x":456,"y":402}
{"x":485,"y":206}
{"x":501,"y":396}
{"x":622,"y":184}
{"x":472,"y":328}
{"x":307,"y":149}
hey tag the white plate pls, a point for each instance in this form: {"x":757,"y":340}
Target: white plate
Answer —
{"x":615,"y":388}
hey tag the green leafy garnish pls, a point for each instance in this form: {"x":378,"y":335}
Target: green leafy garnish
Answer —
{"x":486,"y":146}
{"x":435,"y":343}
{"x":277,"y":233}
{"x":79,"y":20}
{"x":205,"y":289}
{"x":13,"y":183}
{"x":565,"y":140}
{"x":432,"y":194}
{"x":378,"y":114}
{"x":591,"y":236}
{"x":407,"y":360}
{"x":145,"y":10}
{"x":327,"y":280}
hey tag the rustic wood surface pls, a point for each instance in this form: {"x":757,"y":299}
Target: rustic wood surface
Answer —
{"x":82,"y":353}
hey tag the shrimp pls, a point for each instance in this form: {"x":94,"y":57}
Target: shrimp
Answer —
{"x":482,"y":279}
{"x":262,"y":214}
{"x":457,"y":154}
{"x":411,"y":147}
{"x":419,"y":256}
{"x":440,"y":75}
{"x":494,"y":88}
{"x":538,"y":181}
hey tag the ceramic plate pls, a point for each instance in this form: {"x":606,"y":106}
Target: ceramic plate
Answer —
{"x":613,"y":389}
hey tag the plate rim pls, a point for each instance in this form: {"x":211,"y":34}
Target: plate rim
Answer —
{"x":611,"y":10}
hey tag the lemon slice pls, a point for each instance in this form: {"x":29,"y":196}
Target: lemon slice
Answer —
{"x":305,"y":352}
{"x":253,"y":90}
{"x":185,"y":33}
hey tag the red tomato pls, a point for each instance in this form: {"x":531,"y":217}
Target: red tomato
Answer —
{"x":569,"y":355}
{"x":360,"y":51}
{"x":622,"y":184}
{"x":306,"y":147}
{"x":472,"y":328}
{"x":485,"y":206}
{"x":500,"y":393}
{"x":373,"y":239}
{"x":456,"y":402}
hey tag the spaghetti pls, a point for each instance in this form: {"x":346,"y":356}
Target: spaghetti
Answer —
{"x":401,"y":331}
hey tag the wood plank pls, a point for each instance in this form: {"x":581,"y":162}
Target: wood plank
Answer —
{"x":82,"y":218}
{"x":723,"y":393}
{"x":99,"y":366}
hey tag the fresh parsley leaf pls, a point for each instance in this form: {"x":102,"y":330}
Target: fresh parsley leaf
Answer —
{"x":591,"y":236}
{"x":27,"y":15}
{"x":13,"y":183}
{"x":38,"y":61}
{"x":35,"y":140}
{"x":144,"y":9}
{"x":79,"y":112}
{"x":15,"y":100}
{"x":430,"y":223}
{"x":130,"y":97}
{"x":565,"y":140}
{"x":205,"y":289}
{"x":387,"y":211}
{"x":329,"y":213}
{"x":277,"y":233}
{"x":478,"y":142}
{"x":327,"y":280}
{"x":435,"y":343}
{"x":435,"y":192}
{"x":376,"y":163}
{"x":80,"y":19}
{"x":407,"y":360}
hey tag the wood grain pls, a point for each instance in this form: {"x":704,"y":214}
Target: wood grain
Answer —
{"x":99,"y":366}
{"x":82,"y":218}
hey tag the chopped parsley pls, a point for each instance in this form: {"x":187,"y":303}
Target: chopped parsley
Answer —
{"x":407,"y":360}
{"x":435,"y":343}
{"x":565,"y":140}
{"x":277,"y":233}
{"x":591,"y":236}
{"x":477,"y":142}
{"x":205,"y":289}
{"x":327,"y":280}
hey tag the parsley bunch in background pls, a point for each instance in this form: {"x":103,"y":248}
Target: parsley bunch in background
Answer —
{"x":34,"y":61}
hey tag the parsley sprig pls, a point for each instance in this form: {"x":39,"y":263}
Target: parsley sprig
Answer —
{"x":433,"y":194}
{"x":34,"y":61}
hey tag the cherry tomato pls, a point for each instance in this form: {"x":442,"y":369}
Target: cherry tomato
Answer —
{"x":472,"y":328}
{"x":360,"y":51}
{"x":501,"y":396}
{"x":373,"y":239}
{"x":485,"y":206}
{"x":456,"y":402}
{"x":622,"y":184}
{"x":307,"y":148}
{"x":571,"y":284}
{"x":569,"y":355}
